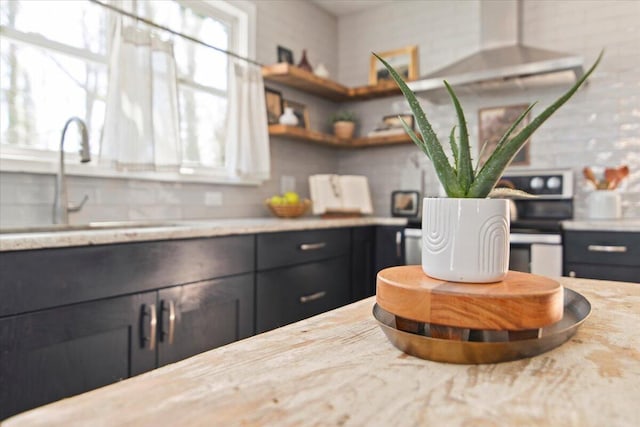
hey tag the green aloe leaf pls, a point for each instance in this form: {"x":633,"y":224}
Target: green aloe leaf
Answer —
{"x":463,"y":159}
{"x":493,"y":169}
{"x":454,"y":144}
{"x":416,"y":140}
{"x":434,"y":149}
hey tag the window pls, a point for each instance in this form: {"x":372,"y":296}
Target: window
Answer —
{"x":53,"y":69}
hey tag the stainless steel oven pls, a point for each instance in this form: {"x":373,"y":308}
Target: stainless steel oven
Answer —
{"x":536,"y":237}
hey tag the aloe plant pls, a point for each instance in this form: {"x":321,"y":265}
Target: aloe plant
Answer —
{"x":460,"y":179}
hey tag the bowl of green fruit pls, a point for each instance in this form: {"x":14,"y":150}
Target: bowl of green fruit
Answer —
{"x":288,"y":205}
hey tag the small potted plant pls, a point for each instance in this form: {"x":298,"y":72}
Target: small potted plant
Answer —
{"x":344,"y":124}
{"x":466,"y":235}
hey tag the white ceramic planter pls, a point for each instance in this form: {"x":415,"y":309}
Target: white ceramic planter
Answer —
{"x":465,"y":240}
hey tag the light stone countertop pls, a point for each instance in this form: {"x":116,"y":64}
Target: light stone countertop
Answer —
{"x":338,"y":368}
{"x":178,"y":230}
{"x":622,"y":224}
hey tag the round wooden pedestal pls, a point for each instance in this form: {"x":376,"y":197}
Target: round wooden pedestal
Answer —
{"x":520,"y":302}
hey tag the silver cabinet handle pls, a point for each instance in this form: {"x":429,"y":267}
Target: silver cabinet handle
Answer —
{"x":399,"y":244}
{"x":312,"y":297}
{"x":172,"y":320}
{"x":604,"y":248}
{"x":150,"y":311}
{"x":312,"y":246}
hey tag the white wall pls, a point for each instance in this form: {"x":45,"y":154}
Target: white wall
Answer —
{"x":599,"y":126}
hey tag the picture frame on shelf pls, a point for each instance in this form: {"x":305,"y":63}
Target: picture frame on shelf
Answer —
{"x":404,"y":60}
{"x":285,"y":55}
{"x":493,"y":122}
{"x":300,"y":110}
{"x":391,"y":125}
{"x":394,"y":121}
{"x":273,"y":100}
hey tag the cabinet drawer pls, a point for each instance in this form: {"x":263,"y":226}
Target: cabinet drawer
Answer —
{"x":38,"y":279}
{"x":286,"y":295}
{"x":613,"y":248}
{"x":296,"y":247}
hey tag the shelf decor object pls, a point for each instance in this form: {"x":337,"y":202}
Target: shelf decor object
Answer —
{"x":466,"y":235}
{"x":522,"y":316}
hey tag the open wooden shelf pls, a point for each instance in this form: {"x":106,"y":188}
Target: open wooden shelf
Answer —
{"x":298,"y":133}
{"x":295,"y":77}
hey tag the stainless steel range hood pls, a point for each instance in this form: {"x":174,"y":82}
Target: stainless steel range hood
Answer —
{"x":503,"y":63}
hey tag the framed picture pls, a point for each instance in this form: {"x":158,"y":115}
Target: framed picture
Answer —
{"x":493,"y":122}
{"x":274,"y":105}
{"x":300,"y":110}
{"x":393,"y":122}
{"x":285,"y":55}
{"x":405,"y":203}
{"x":404,"y":60}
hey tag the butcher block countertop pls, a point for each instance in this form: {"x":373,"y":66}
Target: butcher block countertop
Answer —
{"x":339,"y":369}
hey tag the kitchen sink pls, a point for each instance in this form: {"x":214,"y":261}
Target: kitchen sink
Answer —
{"x":101,"y":225}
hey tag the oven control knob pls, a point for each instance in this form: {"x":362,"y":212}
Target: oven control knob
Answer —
{"x":553,"y":183}
{"x":537,"y":183}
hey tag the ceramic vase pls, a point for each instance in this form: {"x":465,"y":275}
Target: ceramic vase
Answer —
{"x":604,"y":204}
{"x":321,"y":71}
{"x":465,"y":240}
{"x":304,"y":62}
{"x":288,"y":118}
{"x":343,"y":129}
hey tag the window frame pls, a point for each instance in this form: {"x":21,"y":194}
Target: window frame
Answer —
{"x":241,"y":16}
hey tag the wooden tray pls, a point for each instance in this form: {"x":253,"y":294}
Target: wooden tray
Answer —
{"x":522,"y":301}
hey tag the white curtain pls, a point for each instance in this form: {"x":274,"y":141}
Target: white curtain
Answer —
{"x":247,"y":133}
{"x":141,"y":129}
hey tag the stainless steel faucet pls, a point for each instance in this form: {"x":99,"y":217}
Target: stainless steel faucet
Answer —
{"x":61,"y":207}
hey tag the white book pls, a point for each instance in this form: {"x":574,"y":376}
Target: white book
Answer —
{"x":340,"y":193}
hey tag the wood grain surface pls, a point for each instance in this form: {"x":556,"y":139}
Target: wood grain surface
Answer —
{"x":521,"y":301}
{"x":339,"y":369}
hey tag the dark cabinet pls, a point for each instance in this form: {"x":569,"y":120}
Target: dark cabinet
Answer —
{"x":286,"y":295}
{"x":202,"y":316}
{"x":389,"y":247}
{"x":602,"y":255}
{"x":56,"y":353}
{"x":301,"y":274}
{"x":94,"y":315}
{"x":363,"y":276}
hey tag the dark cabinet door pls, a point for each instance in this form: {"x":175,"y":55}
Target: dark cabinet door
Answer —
{"x":286,"y":295}
{"x":56,"y":353}
{"x":389,"y":247}
{"x":201,"y":316}
{"x":363,"y":279}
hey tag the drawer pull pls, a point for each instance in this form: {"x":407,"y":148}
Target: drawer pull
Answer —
{"x":312,"y":297}
{"x":312,"y":246}
{"x":398,"y":244}
{"x":603,"y":248}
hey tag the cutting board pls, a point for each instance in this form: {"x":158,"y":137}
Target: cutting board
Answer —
{"x":522,"y":301}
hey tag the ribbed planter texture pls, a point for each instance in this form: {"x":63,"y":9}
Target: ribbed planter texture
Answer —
{"x":465,"y":240}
